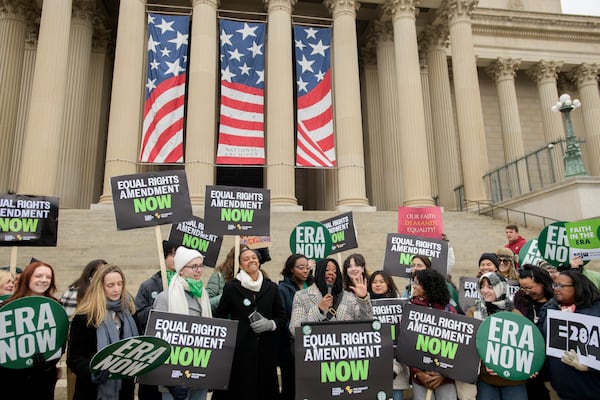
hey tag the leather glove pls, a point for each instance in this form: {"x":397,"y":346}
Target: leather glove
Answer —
{"x":100,"y":377}
{"x":570,"y":358}
{"x":179,"y":392}
{"x":38,"y":360}
{"x":262,"y":325}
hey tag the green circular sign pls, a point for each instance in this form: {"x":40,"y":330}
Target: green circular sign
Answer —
{"x":131,"y":357}
{"x":553,"y":244}
{"x":529,"y":253}
{"x":312,"y":239}
{"x":511,"y":345}
{"x":29,"y":325}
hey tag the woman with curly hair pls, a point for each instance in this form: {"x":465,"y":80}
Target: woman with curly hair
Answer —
{"x":429,"y":289}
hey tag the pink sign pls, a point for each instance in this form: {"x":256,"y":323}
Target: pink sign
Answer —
{"x":421,"y":221}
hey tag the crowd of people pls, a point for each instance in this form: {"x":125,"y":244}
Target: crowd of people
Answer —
{"x":102,"y":312}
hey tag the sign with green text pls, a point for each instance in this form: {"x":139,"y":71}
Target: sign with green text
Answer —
{"x":400,"y":250}
{"x":343,"y":232}
{"x":131,"y":357}
{"x":191,"y":234}
{"x":553,"y":244}
{"x":201,"y":350}
{"x":529,"y":253}
{"x":312,"y":239}
{"x":28,"y":220}
{"x":389,"y":311}
{"x":511,"y":345}
{"x":29,"y":325}
{"x":584,"y":238}
{"x":232,"y":210}
{"x":343,"y":360}
{"x":150,"y":199}
{"x":440,"y":341}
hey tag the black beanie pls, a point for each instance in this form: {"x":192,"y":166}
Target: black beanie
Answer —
{"x":490,"y":256}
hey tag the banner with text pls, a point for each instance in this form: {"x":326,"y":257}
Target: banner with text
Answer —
{"x":150,"y":199}
{"x":28,"y":220}
{"x":583,"y":238}
{"x":573,"y":331}
{"x":345,"y":360}
{"x":232,"y":210}
{"x":201,"y":350}
{"x":343,"y":232}
{"x":421,"y":221}
{"x":530,"y":254}
{"x":400,"y":249}
{"x":389,"y":312}
{"x":311,"y":239}
{"x":256,"y":242}
{"x":468,"y":292}
{"x":192,"y":235}
{"x":553,"y":244}
{"x":435,"y":340}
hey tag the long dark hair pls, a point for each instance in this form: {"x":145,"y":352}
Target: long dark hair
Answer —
{"x":387,"y":278}
{"x":586,"y":293}
{"x":359,"y":259}
{"x":434,"y":285}
{"x":83,"y":282}
{"x":320,"y":277}
{"x":538,"y":275}
{"x":288,"y":267}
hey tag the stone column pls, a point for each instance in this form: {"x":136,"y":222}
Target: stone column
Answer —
{"x":389,"y":105}
{"x":586,"y":77}
{"x":545,"y":74}
{"x":280,"y":107}
{"x":471,"y":129}
{"x":46,"y":110}
{"x":12,"y":49}
{"x":69,"y":180}
{"x":411,"y":143}
{"x":446,"y":155}
{"x":428,"y":126}
{"x":124,"y":124}
{"x":347,"y":112}
{"x":202,"y":99}
{"x":503,"y":72}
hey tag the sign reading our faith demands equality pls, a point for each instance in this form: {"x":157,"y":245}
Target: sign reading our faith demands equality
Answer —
{"x":435,"y":340}
{"x":29,"y":325}
{"x":574,"y":331}
{"x":201,"y":350}
{"x":584,"y":238}
{"x":343,"y":232}
{"x":400,"y":250}
{"x":421,"y":221}
{"x":192,"y":235}
{"x":311,"y":239}
{"x":150,"y":199}
{"x":131,"y":357}
{"x":232,"y":210}
{"x":28,"y":220}
{"x":343,"y":360}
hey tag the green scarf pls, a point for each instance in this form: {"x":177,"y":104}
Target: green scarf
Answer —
{"x":195,"y":287}
{"x":170,"y":275}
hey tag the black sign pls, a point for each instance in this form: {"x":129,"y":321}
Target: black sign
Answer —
{"x":468,"y":292}
{"x":343,"y":232}
{"x":237,"y":211}
{"x":28,"y":220}
{"x":150,"y":199}
{"x":344,"y":360}
{"x":201,"y":350}
{"x":400,"y":250}
{"x":389,"y":311}
{"x":192,"y":235}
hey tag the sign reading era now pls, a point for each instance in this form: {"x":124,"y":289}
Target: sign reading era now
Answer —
{"x":311,"y":239}
{"x":28,"y":220}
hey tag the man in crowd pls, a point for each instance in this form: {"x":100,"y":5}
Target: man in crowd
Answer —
{"x":515,"y":241}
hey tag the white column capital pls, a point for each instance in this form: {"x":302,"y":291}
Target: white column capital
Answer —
{"x":503,"y":68}
{"x":279,"y":5}
{"x":453,"y":9}
{"x":84,"y":10}
{"x":395,"y":8}
{"x":585,"y":74}
{"x":383,"y":31}
{"x":13,"y":9}
{"x":342,"y":7}
{"x":544,"y":71}
{"x":434,"y":37}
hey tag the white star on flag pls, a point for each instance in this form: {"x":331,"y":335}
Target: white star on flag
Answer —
{"x":247,"y":31}
{"x":179,"y":40}
{"x":318,"y":48}
{"x":165,"y":26}
{"x":306,"y":64}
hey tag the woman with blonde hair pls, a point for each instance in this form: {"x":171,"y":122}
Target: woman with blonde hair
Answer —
{"x":7,"y":284}
{"x":102,"y":317}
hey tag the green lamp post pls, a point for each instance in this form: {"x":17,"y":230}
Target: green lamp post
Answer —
{"x":573,"y":162}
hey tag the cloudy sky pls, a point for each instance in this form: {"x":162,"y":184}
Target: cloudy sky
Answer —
{"x":582,"y":7}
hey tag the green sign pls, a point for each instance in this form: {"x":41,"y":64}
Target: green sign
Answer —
{"x":511,"y":345}
{"x":312,"y":239}
{"x":29,"y":325}
{"x":583,"y":238}
{"x":553,"y":244}
{"x":131,"y":357}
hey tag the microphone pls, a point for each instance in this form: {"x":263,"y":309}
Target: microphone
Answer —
{"x":329,"y":288}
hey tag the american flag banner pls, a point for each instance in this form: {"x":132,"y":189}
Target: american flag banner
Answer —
{"x":162,"y":131}
{"x":315,"y":142}
{"x":241,"y":120}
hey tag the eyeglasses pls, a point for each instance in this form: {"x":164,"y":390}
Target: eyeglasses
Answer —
{"x":194,"y":267}
{"x":558,"y":286}
{"x":504,"y":260}
{"x":303,"y":267}
{"x":526,"y":289}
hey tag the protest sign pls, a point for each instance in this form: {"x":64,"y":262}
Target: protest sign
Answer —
{"x":421,"y":221}
{"x":574,"y":331}
{"x":29,"y":325}
{"x":150,"y":199}
{"x":512,"y":288}
{"x":553,"y":244}
{"x":583,"y":238}
{"x":201,"y":350}
{"x":343,"y":232}
{"x":468,"y":292}
{"x":400,"y":249}
{"x":232,"y":210}
{"x":529,"y":253}
{"x":389,"y":311}
{"x":311,"y":239}
{"x":191,"y":234}
{"x":131,"y":357}
{"x":510,"y":345}
{"x":345,"y":360}
{"x":256,"y":242}
{"x":28,"y":220}
{"x":435,"y":340}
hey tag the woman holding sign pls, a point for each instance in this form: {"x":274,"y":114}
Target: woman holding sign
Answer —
{"x":102,"y":317}
{"x":39,"y":380}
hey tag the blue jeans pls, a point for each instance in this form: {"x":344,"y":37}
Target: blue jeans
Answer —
{"x":398,"y":394}
{"x":486,"y":391}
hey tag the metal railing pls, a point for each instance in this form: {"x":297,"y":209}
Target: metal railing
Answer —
{"x":488,"y":208}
